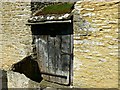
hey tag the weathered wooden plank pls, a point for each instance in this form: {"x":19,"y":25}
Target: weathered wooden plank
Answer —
{"x":58,"y":57}
{"x":37,"y":50}
{"x":41,"y":44}
{"x":47,"y":61}
{"x":45,"y":56}
{"x":51,"y":56}
{"x":65,"y":54}
{"x":71,"y":61}
{"x":65,"y":67}
{"x":60,"y":80}
{"x":42,"y":54}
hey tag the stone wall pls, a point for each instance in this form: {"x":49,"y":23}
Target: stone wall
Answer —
{"x":15,"y":35}
{"x":96,"y":44}
{"x":15,"y":40}
{"x":0,"y":33}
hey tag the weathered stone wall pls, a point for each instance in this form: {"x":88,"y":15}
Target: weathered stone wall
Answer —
{"x":15,"y":36}
{"x":96,"y":44}
{"x":0,"y":33}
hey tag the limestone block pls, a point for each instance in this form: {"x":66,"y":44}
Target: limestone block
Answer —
{"x":88,"y":57}
{"x":90,"y":9}
{"x":106,"y":27}
{"x":112,"y":22}
{"x":86,"y":51}
{"x":102,"y":60}
{"x":113,"y":47}
{"x":17,"y":80}
{"x":88,"y":14}
{"x":113,"y":54}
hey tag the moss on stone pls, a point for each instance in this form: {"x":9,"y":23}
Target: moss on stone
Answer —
{"x":60,"y":8}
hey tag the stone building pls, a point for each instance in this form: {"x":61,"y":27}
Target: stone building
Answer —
{"x":95,"y":63}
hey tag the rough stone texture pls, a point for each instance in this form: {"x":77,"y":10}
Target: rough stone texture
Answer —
{"x":95,"y":43}
{"x":44,"y":18}
{"x":17,"y":80}
{"x":15,"y":36}
{"x":96,"y":53}
{"x":0,"y":33}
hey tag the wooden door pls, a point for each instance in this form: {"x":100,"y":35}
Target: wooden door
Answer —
{"x":55,"y":55}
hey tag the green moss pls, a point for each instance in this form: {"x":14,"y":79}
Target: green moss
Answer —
{"x":60,"y":8}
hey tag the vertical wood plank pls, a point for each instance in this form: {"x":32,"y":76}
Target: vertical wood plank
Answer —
{"x":51,"y":56}
{"x":38,"y":54}
{"x":71,"y":61}
{"x":65,"y":56}
{"x":60,"y":65}
{"x":58,"y":57}
{"x":47,"y":61}
{"x":45,"y":57}
{"x":43,"y":52}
